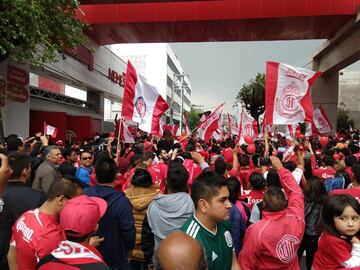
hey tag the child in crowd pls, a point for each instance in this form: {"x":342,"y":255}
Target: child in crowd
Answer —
{"x":339,"y":245}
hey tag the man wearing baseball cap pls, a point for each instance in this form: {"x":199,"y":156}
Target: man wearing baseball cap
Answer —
{"x":79,"y":219}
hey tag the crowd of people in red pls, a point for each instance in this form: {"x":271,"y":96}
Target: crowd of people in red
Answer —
{"x":108,"y":205}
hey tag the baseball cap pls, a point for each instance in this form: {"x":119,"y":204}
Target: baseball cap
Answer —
{"x":81,"y":214}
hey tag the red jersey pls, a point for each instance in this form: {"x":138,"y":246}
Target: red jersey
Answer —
{"x":354,"y":191}
{"x":323,"y":173}
{"x":193,"y":169}
{"x":35,"y":235}
{"x":332,"y":251}
{"x":160,"y":173}
{"x":253,"y":197}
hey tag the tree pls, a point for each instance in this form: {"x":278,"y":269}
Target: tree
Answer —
{"x":343,"y":120}
{"x":193,"y":117}
{"x":252,"y":96}
{"x":35,"y":31}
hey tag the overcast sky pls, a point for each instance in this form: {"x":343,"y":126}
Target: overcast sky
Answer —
{"x":218,"y":69}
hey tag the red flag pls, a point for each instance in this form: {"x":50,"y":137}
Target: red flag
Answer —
{"x":207,"y":128}
{"x":172,"y":128}
{"x":247,"y":123}
{"x":125,"y":134}
{"x":186,"y":123}
{"x":229,"y":123}
{"x":287,"y":97}
{"x":50,"y":130}
{"x":142,"y":102}
{"x":321,"y":124}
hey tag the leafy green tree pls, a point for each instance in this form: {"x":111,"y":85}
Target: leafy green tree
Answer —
{"x":35,"y":31}
{"x":193,"y":117}
{"x":252,"y":96}
{"x":343,"y":120}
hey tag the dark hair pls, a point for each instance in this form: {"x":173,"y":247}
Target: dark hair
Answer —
{"x":290,"y":165}
{"x":315,"y":191}
{"x":220,"y":166}
{"x":148,"y":155}
{"x":99,"y":155}
{"x":274,"y":199}
{"x":141,"y":178}
{"x":307,"y":168}
{"x":105,"y":170}
{"x":257,"y":181}
{"x":66,"y":152}
{"x":234,"y":187}
{"x":244,"y":160}
{"x":206,"y":186}
{"x":85,"y":152}
{"x":334,"y":207}
{"x":273,"y":178}
{"x":177,"y":177}
{"x":13,"y":144}
{"x":356,"y":170}
{"x":328,"y":160}
{"x":67,"y":170}
{"x":350,"y":160}
{"x":63,"y":186}
{"x":18,"y":162}
{"x":255,"y":158}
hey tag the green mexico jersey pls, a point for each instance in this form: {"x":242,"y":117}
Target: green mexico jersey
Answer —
{"x":218,"y":246}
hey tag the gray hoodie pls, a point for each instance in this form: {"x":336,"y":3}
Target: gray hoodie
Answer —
{"x":167,"y":213}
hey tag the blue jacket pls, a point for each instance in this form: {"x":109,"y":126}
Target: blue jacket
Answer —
{"x":83,"y":175}
{"x":238,"y":228}
{"x":117,"y":226}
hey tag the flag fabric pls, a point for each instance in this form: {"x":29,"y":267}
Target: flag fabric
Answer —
{"x":186,"y":124}
{"x":322,"y":124}
{"x":206,"y":129}
{"x":247,"y":123}
{"x":125,"y":133}
{"x":172,"y":128}
{"x":287,"y":96}
{"x":50,"y":130}
{"x":142,"y":102}
{"x":218,"y":135}
{"x":229,"y":123}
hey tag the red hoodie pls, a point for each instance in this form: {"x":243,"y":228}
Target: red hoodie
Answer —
{"x":272,"y":242}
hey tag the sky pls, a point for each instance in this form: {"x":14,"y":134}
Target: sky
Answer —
{"x":217,"y":70}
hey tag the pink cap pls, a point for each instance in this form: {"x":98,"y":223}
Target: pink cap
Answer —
{"x":81,"y":214}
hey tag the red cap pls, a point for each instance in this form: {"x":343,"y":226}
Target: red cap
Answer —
{"x":81,"y":214}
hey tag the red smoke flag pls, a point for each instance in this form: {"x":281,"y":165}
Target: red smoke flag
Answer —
{"x":50,"y":130}
{"x":247,"y":123}
{"x":212,"y":123}
{"x":125,"y":134}
{"x":322,"y":124}
{"x":287,"y":96}
{"x":142,"y":102}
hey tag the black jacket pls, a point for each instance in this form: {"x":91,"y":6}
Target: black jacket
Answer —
{"x":18,"y":198}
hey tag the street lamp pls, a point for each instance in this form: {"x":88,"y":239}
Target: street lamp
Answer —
{"x":182,"y":80}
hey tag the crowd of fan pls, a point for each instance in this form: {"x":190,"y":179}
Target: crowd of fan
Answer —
{"x":180,"y":203}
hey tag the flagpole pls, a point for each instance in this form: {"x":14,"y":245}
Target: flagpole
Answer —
{"x":118,"y":137}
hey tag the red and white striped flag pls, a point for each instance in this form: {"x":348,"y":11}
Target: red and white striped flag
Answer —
{"x":287,"y":97}
{"x":50,"y":130}
{"x":247,"y":124}
{"x":142,"y":102}
{"x":322,"y":124}
{"x":206,"y":129}
{"x":125,"y":133}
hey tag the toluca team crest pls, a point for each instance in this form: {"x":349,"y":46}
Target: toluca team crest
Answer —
{"x":288,"y":104}
{"x":140,"y":106}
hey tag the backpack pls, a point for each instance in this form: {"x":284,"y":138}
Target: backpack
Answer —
{"x":244,"y":211}
{"x":337,"y":182}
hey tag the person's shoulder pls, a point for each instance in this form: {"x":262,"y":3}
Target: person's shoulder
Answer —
{"x":188,"y":223}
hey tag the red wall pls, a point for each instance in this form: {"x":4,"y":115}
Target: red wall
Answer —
{"x":80,"y":125}
{"x":56,"y":119}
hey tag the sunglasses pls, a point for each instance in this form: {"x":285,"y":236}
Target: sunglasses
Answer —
{"x":86,"y":158}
